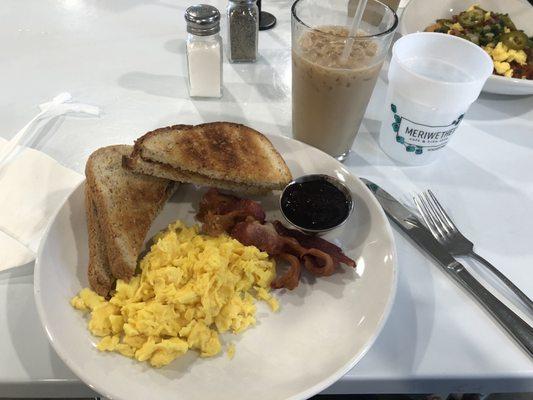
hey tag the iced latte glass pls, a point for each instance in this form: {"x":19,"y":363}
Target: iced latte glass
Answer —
{"x":330,"y":92}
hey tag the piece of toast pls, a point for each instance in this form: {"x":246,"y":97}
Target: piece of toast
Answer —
{"x":100,"y":277}
{"x":219,"y":154}
{"x":138,"y":165}
{"x":126,"y":203}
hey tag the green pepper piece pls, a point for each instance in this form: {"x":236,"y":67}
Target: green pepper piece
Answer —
{"x":484,"y":40}
{"x":445,"y":22}
{"x":516,"y":40}
{"x":473,"y":38}
{"x":471,"y":18}
{"x":508,"y":22}
{"x":489,"y":37}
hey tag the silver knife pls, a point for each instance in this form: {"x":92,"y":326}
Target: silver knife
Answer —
{"x":521,"y":331}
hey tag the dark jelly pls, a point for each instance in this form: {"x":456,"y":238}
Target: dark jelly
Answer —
{"x":315,"y":204}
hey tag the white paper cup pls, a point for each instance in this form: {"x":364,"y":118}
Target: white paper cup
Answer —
{"x":433,"y":79}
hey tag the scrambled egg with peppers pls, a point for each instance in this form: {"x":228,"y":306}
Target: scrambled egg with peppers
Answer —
{"x":510,"y":48}
{"x":191,"y":288}
{"x":503,"y":56}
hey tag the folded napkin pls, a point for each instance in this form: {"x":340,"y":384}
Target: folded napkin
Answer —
{"x":32,"y":188}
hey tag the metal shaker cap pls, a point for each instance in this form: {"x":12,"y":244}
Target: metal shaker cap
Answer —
{"x":202,"y":20}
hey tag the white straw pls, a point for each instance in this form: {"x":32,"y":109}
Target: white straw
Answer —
{"x":353,"y":30}
{"x":59,"y":105}
{"x":10,"y":146}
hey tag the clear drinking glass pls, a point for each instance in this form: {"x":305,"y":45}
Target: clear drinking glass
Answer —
{"x":330,"y":94}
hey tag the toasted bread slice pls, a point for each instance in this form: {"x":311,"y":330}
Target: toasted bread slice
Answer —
{"x":100,"y":277}
{"x":220,"y":154}
{"x":138,"y":165}
{"x":126,"y":203}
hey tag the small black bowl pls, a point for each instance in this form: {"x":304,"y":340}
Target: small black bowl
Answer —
{"x":322,"y":197}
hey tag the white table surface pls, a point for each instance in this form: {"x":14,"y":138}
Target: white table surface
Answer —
{"x":126,"y":56}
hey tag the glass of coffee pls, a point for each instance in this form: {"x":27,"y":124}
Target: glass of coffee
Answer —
{"x":330,"y":90}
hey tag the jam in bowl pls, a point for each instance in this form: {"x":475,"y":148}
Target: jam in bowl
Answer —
{"x":316,"y":203}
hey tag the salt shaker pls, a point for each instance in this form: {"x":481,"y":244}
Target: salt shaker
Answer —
{"x":243,"y":28}
{"x":204,"y":51}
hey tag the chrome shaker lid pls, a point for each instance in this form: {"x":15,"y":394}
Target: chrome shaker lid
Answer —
{"x":202,"y":20}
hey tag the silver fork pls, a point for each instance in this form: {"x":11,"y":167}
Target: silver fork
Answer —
{"x":445,"y":231}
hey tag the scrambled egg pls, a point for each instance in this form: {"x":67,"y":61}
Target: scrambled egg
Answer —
{"x":457,"y":26}
{"x":502,"y":56}
{"x":191,"y":288}
{"x":231,"y":351}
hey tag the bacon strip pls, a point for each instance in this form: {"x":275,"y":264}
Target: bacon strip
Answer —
{"x":221,"y":212}
{"x":291,"y":277}
{"x":262,"y":236}
{"x":217,"y":224}
{"x":319,"y":263}
{"x":315,"y":242}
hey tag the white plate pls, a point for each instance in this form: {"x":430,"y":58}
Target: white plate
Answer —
{"x":324,"y":327}
{"x":418,"y":14}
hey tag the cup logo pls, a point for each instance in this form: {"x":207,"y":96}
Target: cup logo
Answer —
{"x":417,"y":138}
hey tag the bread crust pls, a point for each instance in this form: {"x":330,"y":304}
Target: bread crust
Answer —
{"x":101,"y":279}
{"x":127,"y":203}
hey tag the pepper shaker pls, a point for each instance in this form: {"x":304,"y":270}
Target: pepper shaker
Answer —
{"x":243,"y":28}
{"x":204,"y":51}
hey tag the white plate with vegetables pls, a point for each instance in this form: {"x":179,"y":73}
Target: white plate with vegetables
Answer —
{"x":502,"y":28}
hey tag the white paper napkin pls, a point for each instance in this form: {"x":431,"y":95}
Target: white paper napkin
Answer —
{"x":32,"y":188}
